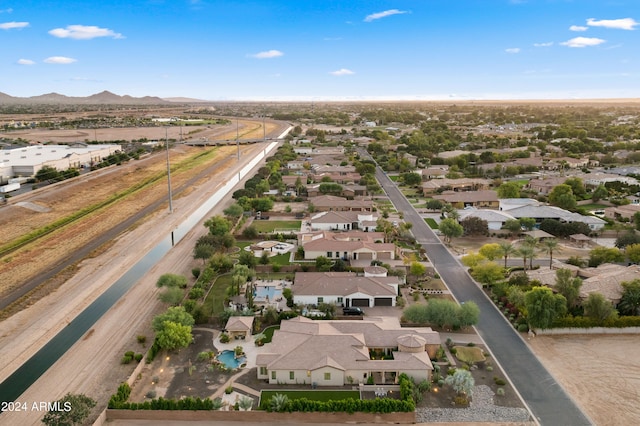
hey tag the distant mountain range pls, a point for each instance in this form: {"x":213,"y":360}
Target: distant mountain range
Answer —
{"x":102,"y":98}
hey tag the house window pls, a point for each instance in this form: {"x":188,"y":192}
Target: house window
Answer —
{"x":337,"y":254}
{"x":327,"y":376}
{"x":273,"y":375}
{"x":320,"y":300}
{"x":339,"y":300}
{"x":329,"y":254}
{"x":292,"y":375}
{"x":263,"y":371}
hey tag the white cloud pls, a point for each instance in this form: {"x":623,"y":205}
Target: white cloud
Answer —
{"x":620,"y":24}
{"x":59,"y":60}
{"x":547,"y":44}
{"x":512,"y":50}
{"x":342,"y":71}
{"x":6,"y":10}
{"x":25,"y":62}
{"x":578,"y":28}
{"x":12,"y":25}
{"x":583,"y":42}
{"x":268,"y":54}
{"x":380,"y":15}
{"x":84,"y":32}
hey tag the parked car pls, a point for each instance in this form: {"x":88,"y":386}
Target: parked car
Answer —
{"x":352,"y":310}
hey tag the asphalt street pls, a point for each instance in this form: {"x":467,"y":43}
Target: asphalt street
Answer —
{"x":548,"y":401}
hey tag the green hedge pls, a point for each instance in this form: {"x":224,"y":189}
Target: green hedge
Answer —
{"x":585,"y":322}
{"x":349,"y":405}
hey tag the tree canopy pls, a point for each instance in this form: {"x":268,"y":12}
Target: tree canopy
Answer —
{"x":73,"y":410}
{"x":543,"y":307}
{"x":174,"y":336}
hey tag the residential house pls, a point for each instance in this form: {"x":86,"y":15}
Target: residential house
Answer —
{"x":607,"y":280}
{"x":507,"y":204}
{"x":619,"y":212}
{"x":344,"y":221}
{"x":344,"y":289}
{"x":352,"y":245}
{"x":332,"y":203}
{"x":478,"y":199}
{"x":495,"y":218}
{"x":435,"y":172}
{"x":337,"y":353}
{"x":540,"y":213}
{"x":545,"y":186}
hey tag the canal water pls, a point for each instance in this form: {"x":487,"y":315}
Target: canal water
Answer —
{"x":38,"y":364}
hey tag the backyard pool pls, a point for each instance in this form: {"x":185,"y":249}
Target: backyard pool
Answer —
{"x":228,"y":358}
{"x":262,"y":292}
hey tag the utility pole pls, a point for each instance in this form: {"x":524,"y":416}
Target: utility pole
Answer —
{"x":166,"y":137}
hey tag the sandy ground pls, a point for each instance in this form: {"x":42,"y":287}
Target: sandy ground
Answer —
{"x":92,"y":366}
{"x":600,"y":372}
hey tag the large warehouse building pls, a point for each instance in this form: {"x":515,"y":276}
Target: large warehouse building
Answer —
{"x":27,"y":161}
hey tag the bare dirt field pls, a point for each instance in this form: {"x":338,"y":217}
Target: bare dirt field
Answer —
{"x":600,"y":372}
{"x":92,"y":365}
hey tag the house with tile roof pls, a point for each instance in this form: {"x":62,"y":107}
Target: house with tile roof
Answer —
{"x":478,"y":199}
{"x":353,"y":245}
{"x":344,"y":289}
{"x":336,"y":353}
{"x":325,"y":203}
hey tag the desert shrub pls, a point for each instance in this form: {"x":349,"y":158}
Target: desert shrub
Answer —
{"x":142,"y":339}
{"x":151,"y":394}
{"x":228,"y":389}
{"x":498,"y":381}
{"x":461,"y":400}
{"x":126,"y":360}
{"x":500,"y":392}
{"x":523,"y":328}
{"x":205,"y":356}
{"x":129,"y":354}
{"x":224,"y":338}
{"x":138,"y":357}
{"x":195,"y":272}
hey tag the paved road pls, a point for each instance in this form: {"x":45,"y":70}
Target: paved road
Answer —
{"x":545,"y":397}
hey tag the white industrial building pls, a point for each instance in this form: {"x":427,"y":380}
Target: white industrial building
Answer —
{"x":27,"y":161}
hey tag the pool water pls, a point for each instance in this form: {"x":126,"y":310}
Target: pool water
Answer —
{"x":262,"y":292}
{"x":229,"y":360}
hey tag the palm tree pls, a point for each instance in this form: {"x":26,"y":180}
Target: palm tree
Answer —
{"x":527,"y":252}
{"x":507,"y":250}
{"x":549,"y":245}
{"x":531,"y":242}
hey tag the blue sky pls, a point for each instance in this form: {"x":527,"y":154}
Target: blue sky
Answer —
{"x":321,"y":50}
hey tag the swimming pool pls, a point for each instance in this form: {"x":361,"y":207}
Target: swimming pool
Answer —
{"x":262,"y":292}
{"x":229,"y":359}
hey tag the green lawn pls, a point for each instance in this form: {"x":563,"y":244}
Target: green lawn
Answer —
{"x":315,"y":395}
{"x":469,"y":354}
{"x":431,"y":222}
{"x":214,"y":303}
{"x":593,"y":206}
{"x":268,"y":332}
{"x":266,"y":226}
{"x":280,"y":259}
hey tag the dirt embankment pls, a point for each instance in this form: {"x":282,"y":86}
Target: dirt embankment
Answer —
{"x":41,"y":208}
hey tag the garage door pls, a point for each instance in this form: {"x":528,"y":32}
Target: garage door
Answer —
{"x":383,"y":301}
{"x":360,"y":302}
